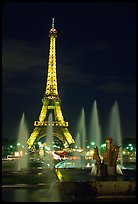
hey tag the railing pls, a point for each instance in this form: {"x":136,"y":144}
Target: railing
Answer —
{"x":46,"y":123}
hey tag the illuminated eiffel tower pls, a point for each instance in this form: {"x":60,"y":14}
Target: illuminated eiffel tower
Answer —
{"x":51,"y":102}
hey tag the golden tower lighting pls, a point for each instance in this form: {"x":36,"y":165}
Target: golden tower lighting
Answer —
{"x":51,"y":102}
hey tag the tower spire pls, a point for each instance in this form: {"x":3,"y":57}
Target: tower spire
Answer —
{"x":52,"y":23}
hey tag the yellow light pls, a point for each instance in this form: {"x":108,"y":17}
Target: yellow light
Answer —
{"x":59,"y":175}
{"x":51,"y":95}
{"x":124,"y":152}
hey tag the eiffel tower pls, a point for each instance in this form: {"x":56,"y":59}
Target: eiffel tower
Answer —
{"x":51,"y":103}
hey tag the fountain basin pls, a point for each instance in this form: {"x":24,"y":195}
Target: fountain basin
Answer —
{"x":80,"y":183}
{"x":125,"y":190}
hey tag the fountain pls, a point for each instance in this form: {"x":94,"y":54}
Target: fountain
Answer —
{"x":83,"y":129}
{"x":77,"y":184}
{"x":78,"y":145}
{"x":113,"y":152}
{"x":95,"y":129}
{"x":22,"y":148}
{"x":82,"y":134}
{"x":115,"y":128}
{"x":78,"y":141}
{"x":49,"y":142}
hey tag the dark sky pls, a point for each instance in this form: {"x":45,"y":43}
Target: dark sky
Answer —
{"x":96,"y":60}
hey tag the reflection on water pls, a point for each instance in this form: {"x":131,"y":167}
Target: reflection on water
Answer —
{"x":45,"y":187}
{"x":30,"y":195}
{"x":30,"y":186}
{"x":20,"y":195}
{"x":15,"y":195}
{"x":49,"y":195}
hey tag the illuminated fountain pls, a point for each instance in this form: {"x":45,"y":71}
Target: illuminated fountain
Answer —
{"x":82,"y":129}
{"x":78,"y":141}
{"x":78,"y":146}
{"x":112,"y":153}
{"x":115,"y":128}
{"x":51,"y":193}
{"x":22,"y":148}
{"x":82,"y":133}
{"x":95,"y":129}
{"x":49,"y":143}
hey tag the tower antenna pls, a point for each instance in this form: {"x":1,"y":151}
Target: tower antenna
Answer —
{"x":52,"y":23}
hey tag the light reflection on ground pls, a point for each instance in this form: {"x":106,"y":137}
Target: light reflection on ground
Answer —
{"x":44,"y":185}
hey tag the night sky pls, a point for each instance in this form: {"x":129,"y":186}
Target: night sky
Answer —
{"x":96,"y":60}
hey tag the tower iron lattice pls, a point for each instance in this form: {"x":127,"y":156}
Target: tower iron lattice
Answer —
{"x":51,"y":103}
